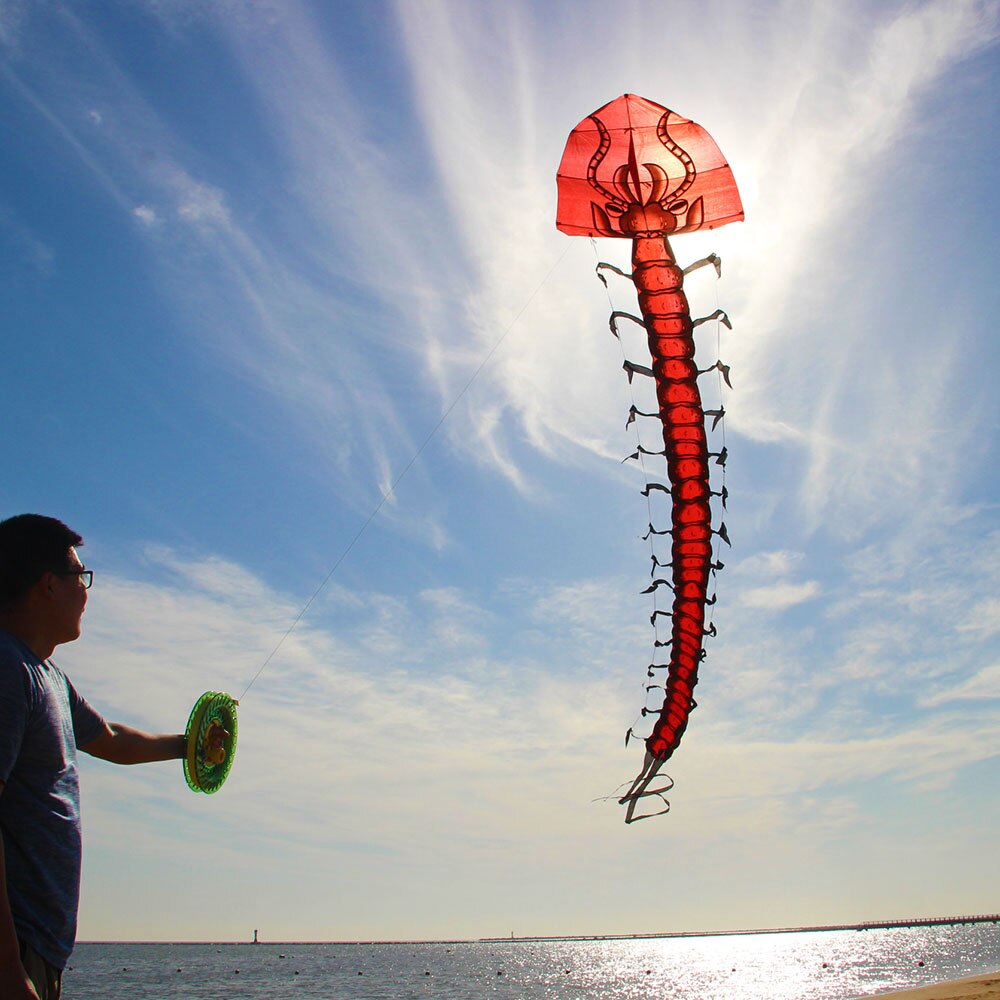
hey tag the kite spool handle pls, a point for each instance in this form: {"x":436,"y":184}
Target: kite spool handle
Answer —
{"x":207,"y":764}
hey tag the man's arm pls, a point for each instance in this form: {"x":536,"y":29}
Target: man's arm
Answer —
{"x":14,"y":981}
{"x":122,"y":744}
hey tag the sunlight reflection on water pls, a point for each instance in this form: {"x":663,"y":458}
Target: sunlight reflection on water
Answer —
{"x":832,"y":965}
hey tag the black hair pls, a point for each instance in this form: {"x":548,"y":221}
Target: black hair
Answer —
{"x":31,"y":545}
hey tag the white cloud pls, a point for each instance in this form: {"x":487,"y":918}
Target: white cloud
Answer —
{"x":769,"y":564}
{"x":763,"y":586}
{"x":145,"y":214}
{"x":201,"y":203}
{"x":780,"y":596}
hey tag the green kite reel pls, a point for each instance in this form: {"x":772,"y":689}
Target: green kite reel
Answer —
{"x":206,"y":766}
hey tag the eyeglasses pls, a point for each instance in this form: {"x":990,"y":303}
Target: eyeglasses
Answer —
{"x":86,"y":575}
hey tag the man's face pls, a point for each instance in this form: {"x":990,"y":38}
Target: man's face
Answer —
{"x":69,"y":598}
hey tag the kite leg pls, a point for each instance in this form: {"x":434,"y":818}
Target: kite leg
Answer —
{"x":712,"y":258}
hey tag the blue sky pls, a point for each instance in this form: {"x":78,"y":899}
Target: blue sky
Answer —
{"x":270,"y":267}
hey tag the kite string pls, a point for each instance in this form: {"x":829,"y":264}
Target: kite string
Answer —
{"x":406,"y":468}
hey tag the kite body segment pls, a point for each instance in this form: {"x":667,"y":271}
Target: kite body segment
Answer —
{"x":638,"y":171}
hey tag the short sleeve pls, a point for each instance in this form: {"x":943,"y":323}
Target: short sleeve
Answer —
{"x":88,"y":723}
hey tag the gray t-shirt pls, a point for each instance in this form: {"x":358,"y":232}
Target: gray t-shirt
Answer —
{"x":42,"y":722}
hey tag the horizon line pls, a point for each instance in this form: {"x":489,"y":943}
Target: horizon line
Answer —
{"x":643,"y":935}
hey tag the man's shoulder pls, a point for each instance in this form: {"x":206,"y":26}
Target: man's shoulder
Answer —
{"x":13,"y":651}
{"x":20,"y":669}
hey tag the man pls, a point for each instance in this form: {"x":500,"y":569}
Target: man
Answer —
{"x":43,"y":721}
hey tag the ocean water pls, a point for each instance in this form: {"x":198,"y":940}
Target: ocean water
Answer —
{"x":807,"y":965}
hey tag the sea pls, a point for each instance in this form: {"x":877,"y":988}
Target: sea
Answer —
{"x":796,"y":965}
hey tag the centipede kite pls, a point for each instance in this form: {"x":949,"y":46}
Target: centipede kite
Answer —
{"x":636,"y":170}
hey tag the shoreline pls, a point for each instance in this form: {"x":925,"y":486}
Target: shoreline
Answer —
{"x":985,"y":986}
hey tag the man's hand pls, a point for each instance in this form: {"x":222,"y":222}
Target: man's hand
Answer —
{"x":215,"y":743}
{"x":14,"y":982}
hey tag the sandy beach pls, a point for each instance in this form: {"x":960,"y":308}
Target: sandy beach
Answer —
{"x":985,"y":987}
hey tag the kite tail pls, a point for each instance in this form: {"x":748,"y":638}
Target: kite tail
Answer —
{"x":639,"y":789}
{"x":667,"y":319}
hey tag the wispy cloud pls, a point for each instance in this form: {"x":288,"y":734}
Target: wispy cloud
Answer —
{"x":23,"y":245}
{"x":356,"y":673}
{"x":983,"y":618}
{"x":13,"y":13}
{"x":819,"y":366}
{"x":983,"y":685}
{"x":422,"y":728}
{"x":813,"y":369}
{"x":285,"y":296}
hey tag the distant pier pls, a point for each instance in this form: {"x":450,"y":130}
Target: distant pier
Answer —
{"x":868,"y":925}
{"x":983,"y":918}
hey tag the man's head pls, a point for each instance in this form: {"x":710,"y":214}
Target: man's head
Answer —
{"x":31,"y":546}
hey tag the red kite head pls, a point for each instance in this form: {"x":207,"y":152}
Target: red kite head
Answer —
{"x":634,"y":168}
